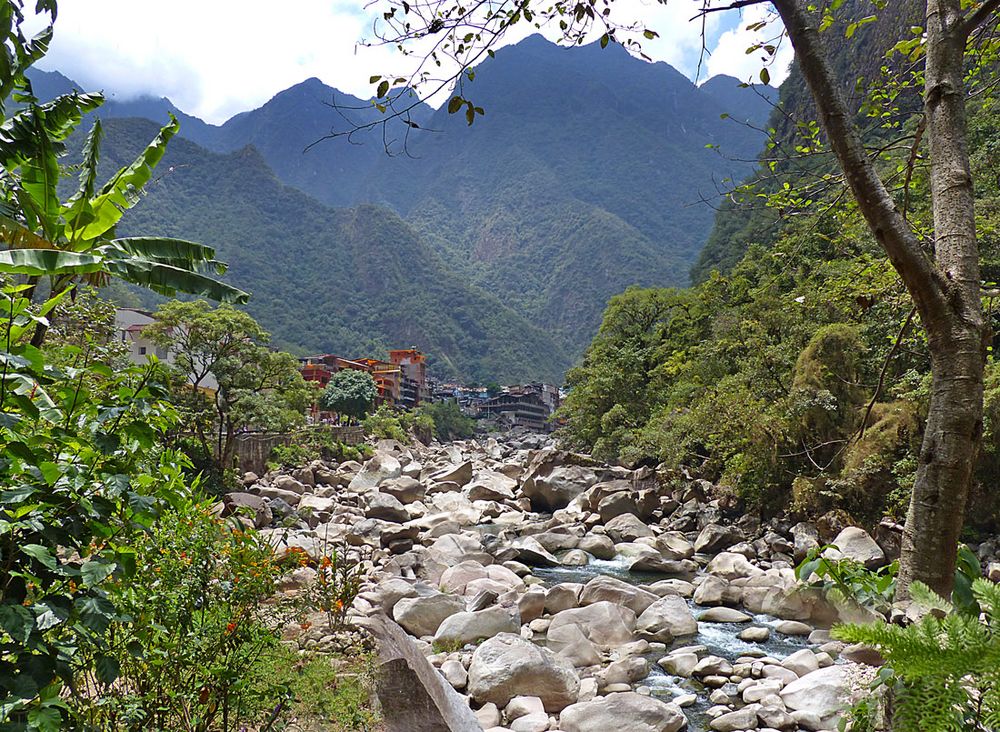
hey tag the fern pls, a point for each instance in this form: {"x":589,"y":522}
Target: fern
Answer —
{"x":946,"y":667}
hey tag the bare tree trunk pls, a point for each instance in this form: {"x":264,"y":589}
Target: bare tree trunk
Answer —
{"x":945,"y":292}
{"x":958,"y":337}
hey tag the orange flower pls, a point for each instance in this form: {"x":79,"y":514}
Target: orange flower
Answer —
{"x":230,"y":627}
{"x":305,"y":625}
{"x":339,"y":604}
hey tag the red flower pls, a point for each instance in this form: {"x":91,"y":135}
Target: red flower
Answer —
{"x":230,"y":627}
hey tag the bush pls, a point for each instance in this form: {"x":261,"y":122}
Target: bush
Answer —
{"x":448,"y":420}
{"x":314,"y":444}
{"x":386,"y":424}
{"x":943,"y":672}
{"x":195,"y":618}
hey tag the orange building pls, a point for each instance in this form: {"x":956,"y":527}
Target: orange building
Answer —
{"x":413,"y":365}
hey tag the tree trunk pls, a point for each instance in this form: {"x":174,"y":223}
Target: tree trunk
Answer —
{"x":957,"y":339}
{"x":945,"y":292}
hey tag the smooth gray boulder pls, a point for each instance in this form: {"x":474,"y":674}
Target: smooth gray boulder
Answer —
{"x":854,"y":543}
{"x":507,"y":666}
{"x":822,"y":692}
{"x":555,"y":477}
{"x":468,"y":627}
{"x":604,"y":623}
{"x":666,"y":619}
{"x":622,"y":711}
{"x":380,"y":467}
{"x":422,"y":615}
{"x":604,"y":588}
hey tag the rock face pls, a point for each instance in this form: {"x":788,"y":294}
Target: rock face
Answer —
{"x":422,"y":615}
{"x":381,"y":467}
{"x":507,"y":665}
{"x":469,"y":627}
{"x":623,"y":711}
{"x":554,"y":478}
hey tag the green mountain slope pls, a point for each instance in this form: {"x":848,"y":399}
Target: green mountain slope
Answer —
{"x":347,"y":281}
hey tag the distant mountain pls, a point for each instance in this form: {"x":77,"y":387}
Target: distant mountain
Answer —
{"x":348,"y":281}
{"x":588,"y":173}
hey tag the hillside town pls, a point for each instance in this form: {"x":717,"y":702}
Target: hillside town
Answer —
{"x":403,"y":380}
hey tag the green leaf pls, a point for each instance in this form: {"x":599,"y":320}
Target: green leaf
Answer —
{"x":175,"y":252}
{"x":765,"y":76}
{"x":107,"y":669}
{"x":39,"y":178}
{"x":455,"y":104}
{"x":120,"y":193}
{"x":169,"y":280}
{"x":17,"y":621}
{"x":44,"y":262}
{"x":95,"y":571}
{"x":45,"y":719}
{"x":41,"y":554}
{"x":604,"y":40}
{"x":382,"y":90}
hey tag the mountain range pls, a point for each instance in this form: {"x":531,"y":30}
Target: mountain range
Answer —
{"x":494,"y":246}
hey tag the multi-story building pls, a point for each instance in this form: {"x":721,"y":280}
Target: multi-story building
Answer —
{"x":413,"y":366}
{"x":528,"y":405}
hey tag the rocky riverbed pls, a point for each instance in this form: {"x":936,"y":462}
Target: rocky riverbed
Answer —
{"x":555,"y":593}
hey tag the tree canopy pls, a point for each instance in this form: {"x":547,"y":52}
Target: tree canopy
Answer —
{"x":350,"y":393}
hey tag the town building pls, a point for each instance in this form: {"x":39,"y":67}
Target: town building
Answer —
{"x":527,"y":405}
{"x":413,"y":383}
{"x":131,"y":324}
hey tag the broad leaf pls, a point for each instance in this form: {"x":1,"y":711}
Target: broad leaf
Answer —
{"x":169,"y":280}
{"x":120,"y":193}
{"x":42,"y":262}
{"x":175,"y":252}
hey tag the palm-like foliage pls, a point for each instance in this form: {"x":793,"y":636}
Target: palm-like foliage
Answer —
{"x":42,"y":236}
{"x":946,"y":666}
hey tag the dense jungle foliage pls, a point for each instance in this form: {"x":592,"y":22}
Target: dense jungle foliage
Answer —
{"x":799,"y":376}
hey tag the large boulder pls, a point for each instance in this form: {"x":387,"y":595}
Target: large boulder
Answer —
{"x":627,"y":527}
{"x":381,"y":467}
{"x":491,"y":485}
{"x":248,"y":503}
{"x":384,"y":507}
{"x":731,"y":566}
{"x":604,"y":588}
{"x":854,"y":543}
{"x":622,"y":711}
{"x":507,"y":665}
{"x":458,"y":474}
{"x":714,"y":538}
{"x":822,"y":692}
{"x":404,"y":489}
{"x":604,"y":623}
{"x":666,"y":619}
{"x":468,"y":627}
{"x":423,"y":615}
{"x":451,"y":549}
{"x":555,"y":477}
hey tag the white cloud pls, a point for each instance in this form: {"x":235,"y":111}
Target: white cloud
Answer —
{"x":730,"y":53}
{"x":215,"y":58}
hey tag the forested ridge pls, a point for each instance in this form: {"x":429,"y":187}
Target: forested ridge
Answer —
{"x":568,"y":191}
{"x":796,"y":372}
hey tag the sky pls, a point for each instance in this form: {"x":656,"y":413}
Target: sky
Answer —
{"x":216,"y":58}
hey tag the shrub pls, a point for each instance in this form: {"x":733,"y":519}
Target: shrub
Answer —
{"x":448,"y":421}
{"x":386,"y":424}
{"x":195,"y":617}
{"x":943,"y":672}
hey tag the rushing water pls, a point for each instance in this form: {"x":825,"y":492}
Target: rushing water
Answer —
{"x":721,"y":639}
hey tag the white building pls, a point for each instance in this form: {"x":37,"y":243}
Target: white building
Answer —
{"x":130,"y":324}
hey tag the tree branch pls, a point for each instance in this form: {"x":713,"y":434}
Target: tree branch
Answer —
{"x":979,"y":16}
{"x":921,"y":277}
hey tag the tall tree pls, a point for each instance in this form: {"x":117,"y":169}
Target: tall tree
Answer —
{"x":228,"y":379}
{"x":944,"y":283}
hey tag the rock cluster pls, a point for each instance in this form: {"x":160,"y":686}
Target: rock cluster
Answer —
{"x":466,"y":543}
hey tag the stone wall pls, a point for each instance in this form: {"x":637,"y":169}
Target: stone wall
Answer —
{"x":254,"y":448}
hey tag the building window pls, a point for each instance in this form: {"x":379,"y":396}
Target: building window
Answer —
{"x":142,"y":350}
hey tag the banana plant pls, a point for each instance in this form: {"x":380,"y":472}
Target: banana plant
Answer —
{"x":74,"y":240}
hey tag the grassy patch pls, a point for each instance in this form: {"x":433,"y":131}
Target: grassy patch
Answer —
{"x":321,"y":692}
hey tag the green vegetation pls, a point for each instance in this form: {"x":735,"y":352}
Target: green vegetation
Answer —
{"x":350,"y":394}
{"x":800,"y":378}
{"x":125,"y":602}
{"x":448,"y":420}
{"x":225,"y":379}
{"x":314,"y":443}
{"x":941,"y":673}
{"x":387,"y":423}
